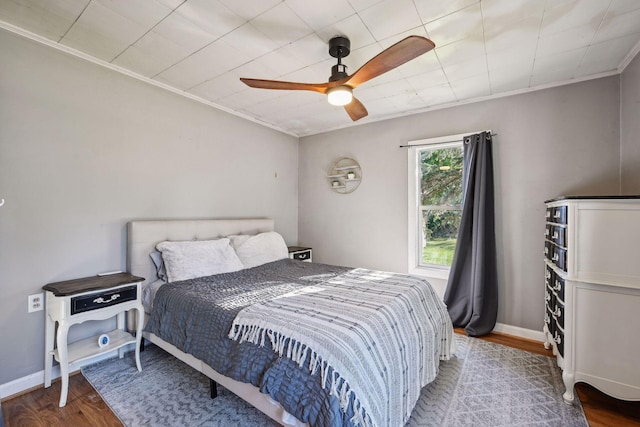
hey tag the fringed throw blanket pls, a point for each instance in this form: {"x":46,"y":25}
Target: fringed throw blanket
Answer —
{"x":376,"y":339}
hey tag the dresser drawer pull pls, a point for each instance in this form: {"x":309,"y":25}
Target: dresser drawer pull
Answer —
{"x":547,"y":274}
{"x":557,"y":214}
{"x":302,"y":256}
{"x":547,"y":296}
{"x":555,"y":235}
{"x":556,"y":257}
{"x":104,"y":301}
{"x":547,"y":319}
{"x":557,"y":311}
{"x":557,"y":339}
{"x":557,"y":287}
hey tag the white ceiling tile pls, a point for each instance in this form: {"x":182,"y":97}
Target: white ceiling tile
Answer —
{"x":422,"y":64}
{"x":546,"y":77}
{"x":151,"y":55}
{"x":498,"y":14}
{"x":390,"y":17}
{"x":359,"y":5}
{"x":280,"y":62}
{"x":249,"y":96}
{"x":146,"y":13}
{"x":607,"y":56}
{"x":353,"y":28}
{"x":430,"y":10}
{"x":566,"y":61}
{"x":466,"y":69}
{"x":211,"y":16}
{"x":460,"y":51}
{"x":320,"y":14}
{"x":514,"y":34}
{"x":426,"y":80}
{"x":505,"y":80}
{"x":571,"y":14}
{"x":219,"y":87}
{"x":250,"y":9}
{"x":210,"y":62}
{"x":441,"y":94}
{"x":308,"y":50}
{"x":516,"y":57}
{"x":316,"y":73}
{"x":282,"y":25}
{"x":562,"y":41}
{"x":417,"y":31}
{"x":181,"y":31}
{"x":615,"y":26}
{"x":463,"y":24}
{"x":50,"y":19}
{"x":103,"y":33}
{"x":248,"y":40}
{"x":473,"y":87}
{"x":256,"y":70}
{"x":623,"y":6}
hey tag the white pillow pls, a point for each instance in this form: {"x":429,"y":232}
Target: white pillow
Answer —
{"x":260,"y":248}
{"x":187,"y":260}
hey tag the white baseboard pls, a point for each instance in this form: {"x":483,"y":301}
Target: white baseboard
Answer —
{"x":37,"y":379}
{"x":519,"y":332}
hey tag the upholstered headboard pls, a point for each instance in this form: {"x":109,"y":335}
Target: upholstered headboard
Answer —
{"x":143,"y":236}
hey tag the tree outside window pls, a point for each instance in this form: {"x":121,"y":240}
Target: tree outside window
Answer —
{"x":440,"y":187}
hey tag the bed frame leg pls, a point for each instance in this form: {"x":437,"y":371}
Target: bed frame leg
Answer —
{"x":213,"y":388}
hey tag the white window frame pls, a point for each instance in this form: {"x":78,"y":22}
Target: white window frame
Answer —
{"x":413,"y":220}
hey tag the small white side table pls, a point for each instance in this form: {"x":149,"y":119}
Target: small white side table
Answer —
{"x":91,"y":298}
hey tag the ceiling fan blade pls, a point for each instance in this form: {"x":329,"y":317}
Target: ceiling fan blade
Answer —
{"x":394,"y":56}
{"x":356,"y":110}
{"x":275,"y":84}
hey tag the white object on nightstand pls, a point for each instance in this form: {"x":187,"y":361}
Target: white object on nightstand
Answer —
{"x":93,"y":298}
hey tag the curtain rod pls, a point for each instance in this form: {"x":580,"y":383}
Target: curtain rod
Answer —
{"x":432,"y":143}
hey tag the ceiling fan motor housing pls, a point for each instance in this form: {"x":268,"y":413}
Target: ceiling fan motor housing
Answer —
{"x":339,"y":47}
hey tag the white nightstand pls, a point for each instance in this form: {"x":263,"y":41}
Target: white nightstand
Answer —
{"x":301,"y":253}
{"x":92,"y":298}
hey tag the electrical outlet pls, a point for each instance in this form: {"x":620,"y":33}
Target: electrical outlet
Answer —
{"x":36,"y":302}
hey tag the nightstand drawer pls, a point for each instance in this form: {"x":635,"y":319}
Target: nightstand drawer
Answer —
{"x":302,"y":256}
{"x":100,"y":300}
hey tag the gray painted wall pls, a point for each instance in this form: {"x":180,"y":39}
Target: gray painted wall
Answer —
{"x":552,"y":142}
{"x":630,"y":128}
{"x":83,"y":150}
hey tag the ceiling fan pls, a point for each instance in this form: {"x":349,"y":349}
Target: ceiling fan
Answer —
{"x":339,"y":88}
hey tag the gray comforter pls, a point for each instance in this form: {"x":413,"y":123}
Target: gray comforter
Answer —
{"x":196,"y":316}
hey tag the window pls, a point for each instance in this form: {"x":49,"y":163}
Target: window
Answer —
{"x":435,"y":203}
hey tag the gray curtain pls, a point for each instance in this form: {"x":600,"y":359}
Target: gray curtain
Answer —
{"x":472,"y":290}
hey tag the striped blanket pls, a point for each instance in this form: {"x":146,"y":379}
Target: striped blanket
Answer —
{"x":376,"y":339}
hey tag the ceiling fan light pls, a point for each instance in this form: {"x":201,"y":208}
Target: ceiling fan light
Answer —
{"x":339,"y":95}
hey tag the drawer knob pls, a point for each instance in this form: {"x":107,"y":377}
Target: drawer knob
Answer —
{"x":557,"y":312}
{"x":556,"y":257}
{"x":104,"y":301}
{"x":555,"y":235}
{"x":557,"y":287}
{"x":302,"y":256}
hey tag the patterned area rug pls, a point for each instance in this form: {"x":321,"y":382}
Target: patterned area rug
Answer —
{"x":486,"y":384}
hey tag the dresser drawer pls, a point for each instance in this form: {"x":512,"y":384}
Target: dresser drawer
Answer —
{"x":100,"y":300}
{"x":302,"y":256}
{"x":559,"y":215}
{"x":560,"y":258}
{"x":558,"y":337}
{"x":558,"y":235}
{"x":558,"y":313}
{"x":558,"y":286}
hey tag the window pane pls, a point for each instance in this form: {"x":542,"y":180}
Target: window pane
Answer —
{"x":439,"y":233}
{"x":441,"y":177}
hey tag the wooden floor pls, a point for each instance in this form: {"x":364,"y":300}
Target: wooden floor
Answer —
{"x":85,"y":407}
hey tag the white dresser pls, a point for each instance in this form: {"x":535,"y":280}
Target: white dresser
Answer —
{"x":592,"y":292}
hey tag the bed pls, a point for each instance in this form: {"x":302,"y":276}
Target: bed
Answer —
{"x":261,"y":346}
